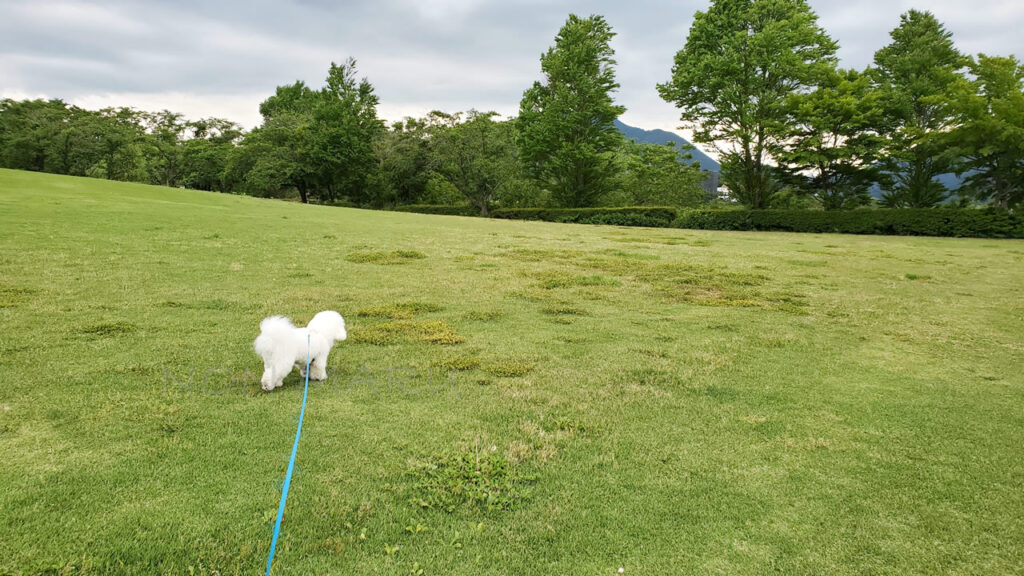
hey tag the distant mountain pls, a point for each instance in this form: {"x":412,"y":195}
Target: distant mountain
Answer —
{"x":664,"y":137}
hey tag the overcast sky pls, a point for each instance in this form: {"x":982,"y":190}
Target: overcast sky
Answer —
{"x":222,"y":58}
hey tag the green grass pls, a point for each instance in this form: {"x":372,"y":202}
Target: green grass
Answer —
{"x":572,"y":399}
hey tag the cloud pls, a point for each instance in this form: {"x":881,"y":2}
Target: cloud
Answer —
{"x":222,"y":58}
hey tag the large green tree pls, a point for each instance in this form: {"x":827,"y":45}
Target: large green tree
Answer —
{"x":204,"y":156}
{"x":566,"y":123}
{"x":343,"y":129}
{"x":478,"y":157}
{"x":319,"y":142}
{"x":833,"y":150}
{"x":733,"y":78}
{"x":988,"y":140}
{"x":915,"y":73}
{"x":660,"y":175}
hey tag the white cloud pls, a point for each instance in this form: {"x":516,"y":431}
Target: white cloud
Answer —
{"x":223,"y":58}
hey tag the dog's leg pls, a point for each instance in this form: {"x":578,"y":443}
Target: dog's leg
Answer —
{"x":318,"y":370}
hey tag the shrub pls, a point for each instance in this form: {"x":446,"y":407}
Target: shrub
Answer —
{"x":440,"y":209}
{"x":987,"y":223}
{"x":651,"y":216}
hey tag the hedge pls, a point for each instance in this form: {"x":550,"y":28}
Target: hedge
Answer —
{"x":955,"y":222}
{"x":986,"y":223}
{"x":656,"y":217}
{"x":439,"y":209}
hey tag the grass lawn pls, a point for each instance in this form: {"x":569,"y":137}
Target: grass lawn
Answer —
{"x":514,"y":398}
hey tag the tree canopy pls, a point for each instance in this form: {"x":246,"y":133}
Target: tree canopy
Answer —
{"x":732,"y":81}
{"x":566,"y":122}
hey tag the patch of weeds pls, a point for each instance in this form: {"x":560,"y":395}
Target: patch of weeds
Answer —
{"x":775,"y":340}
{"x":106,"y":329}
{"x":11,"y":296}
{"x":809,"y":443}
{"x":458,"y":363}
{"x":651,"y":352}
{"x":570,"y":426}
{"x":483,"y":480}
{"x":402,"y":311}
{"x":633,"y":255}
{"x":552,"y":279}
{"x":216,"y":304}
{"x":484,"y":315}
{"x":696,"y":242}
{"x":809,"y":263}
{"x":434,"y":332}
{"x":708,"y":286}
{"x":532,"y":255}
{"x":650,"y":377}
{"x":532,"y":294}
{"x":564,"y":311}
{"x":393,"y":257}
{"x":916,"y":277}
{"x":509,"y":368}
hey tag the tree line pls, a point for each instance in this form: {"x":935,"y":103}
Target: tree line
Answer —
{"x":757,"y":80}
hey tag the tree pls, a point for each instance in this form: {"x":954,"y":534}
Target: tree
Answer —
{"x":660,"y":175}
{"x":343,"y":129}
{"x":915,"y":73}
{"x":204,"y":156}
{"x":989,"y":138}
{"x":403,"y":163}
{"x":166,"y":131}
{"x":477,"y":156}
{"x":567,"y":136}
{"x":319,"y":142}
{"x":833,"y":151}
{"x":733,"y":78}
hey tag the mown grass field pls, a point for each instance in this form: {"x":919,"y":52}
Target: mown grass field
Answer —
{"x":515,"y":397}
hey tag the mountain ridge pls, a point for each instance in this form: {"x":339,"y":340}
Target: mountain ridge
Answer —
{"x":662,"y":137}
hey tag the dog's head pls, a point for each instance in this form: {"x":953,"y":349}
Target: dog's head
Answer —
{"x":330,"y":324}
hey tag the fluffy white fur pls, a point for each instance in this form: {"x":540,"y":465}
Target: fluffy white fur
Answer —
{"x":283,"y":346}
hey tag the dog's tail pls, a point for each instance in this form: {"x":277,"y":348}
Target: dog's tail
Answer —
{"x":272,"y":329}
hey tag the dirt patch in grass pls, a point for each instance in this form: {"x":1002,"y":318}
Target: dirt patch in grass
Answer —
{"x":400,"y":311}
{"x":393,"y":257}
{"x":107,"y":329}
{"x":400,"y":331}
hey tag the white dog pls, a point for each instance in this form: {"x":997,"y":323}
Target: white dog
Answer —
{"x":282,"y":346}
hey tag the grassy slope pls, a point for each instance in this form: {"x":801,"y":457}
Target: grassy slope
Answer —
{"x":704,"y":403}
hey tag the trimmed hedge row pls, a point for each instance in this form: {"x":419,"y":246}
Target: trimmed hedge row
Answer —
{"x":987,"y":223}
{"x":439,"y":209}
{"x":652,"y":216}
{"x":954,"y":222}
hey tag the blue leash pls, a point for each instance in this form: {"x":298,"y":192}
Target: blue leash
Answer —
{"x":291,"y":466}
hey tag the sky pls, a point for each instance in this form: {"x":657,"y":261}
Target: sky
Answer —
{"x":222,"y":58}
